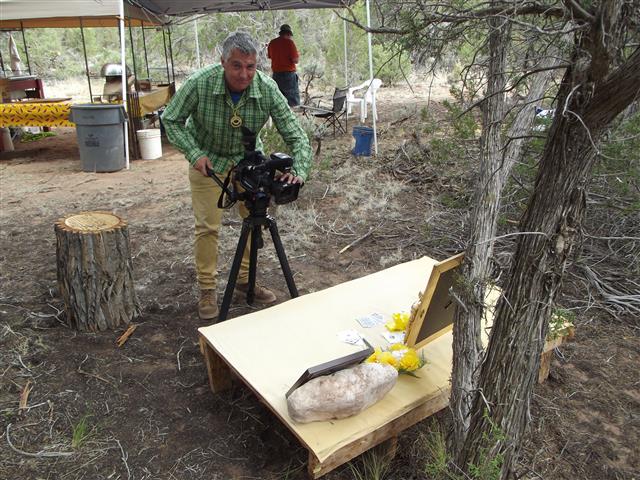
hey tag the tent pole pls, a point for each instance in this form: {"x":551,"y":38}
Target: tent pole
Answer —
{"x":173,"y":73}
{"x":86,"y":62}
{"x":373,"y":92}
{"x":144,"y":45}
{"x":26,"y":50}
{"x":1,"y":64}
{"x":133,"y":57}
{"x":166,"y":54}
{"x":124,"y":81}
{"x":346,"y":71}
{"x":195,"y":29}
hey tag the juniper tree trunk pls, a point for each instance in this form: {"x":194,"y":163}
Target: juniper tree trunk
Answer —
{"x":590,"y":97}
{"x":521,"y":127}
{"x":498,"y":158}
{"x":95,"y":274}
{"x":467,"y":344}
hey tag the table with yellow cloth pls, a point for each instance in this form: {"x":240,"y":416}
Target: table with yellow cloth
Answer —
{"x":44,"y":113}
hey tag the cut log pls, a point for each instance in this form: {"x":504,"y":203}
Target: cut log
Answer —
{"x":95,"y":274}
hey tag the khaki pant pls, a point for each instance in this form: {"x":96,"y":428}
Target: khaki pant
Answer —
{"x":208,"y":217}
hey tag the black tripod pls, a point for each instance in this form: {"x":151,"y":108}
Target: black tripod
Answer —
{"x":258,"y":217}
{"x":256,"y":175}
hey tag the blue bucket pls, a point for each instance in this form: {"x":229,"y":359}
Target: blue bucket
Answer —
{"x":363,"y":136}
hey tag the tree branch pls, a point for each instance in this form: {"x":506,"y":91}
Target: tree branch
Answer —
{"x":464,"y":16}
{"x":578,"y":11}
{"x":39,"y":454}
{"x":619,"y":89}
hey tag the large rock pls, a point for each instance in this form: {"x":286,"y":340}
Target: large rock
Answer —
{"x":342,"y":394}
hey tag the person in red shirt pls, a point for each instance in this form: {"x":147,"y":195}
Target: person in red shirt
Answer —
{"x":284,"y":56}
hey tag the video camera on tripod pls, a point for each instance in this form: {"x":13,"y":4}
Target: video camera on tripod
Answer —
{"x":254,"y":181}
{"x":255,"y":174}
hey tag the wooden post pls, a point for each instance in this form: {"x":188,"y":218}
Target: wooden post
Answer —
{"x":95,"y":275}
{"x":545,"y":366}
{"x":219,"y":372}
{"x":566,"y":334}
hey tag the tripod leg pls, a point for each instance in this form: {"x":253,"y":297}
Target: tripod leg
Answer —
{"x":256,"y":242}
{"x":235,"y":268}
{"x":284,"y":263}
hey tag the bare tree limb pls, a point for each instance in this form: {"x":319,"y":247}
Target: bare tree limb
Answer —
{"x":40,"y":454}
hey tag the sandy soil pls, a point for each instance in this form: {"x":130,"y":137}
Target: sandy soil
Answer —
{"x":147,"y":406}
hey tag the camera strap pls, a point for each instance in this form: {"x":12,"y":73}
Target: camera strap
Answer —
{"x":230,"y":200}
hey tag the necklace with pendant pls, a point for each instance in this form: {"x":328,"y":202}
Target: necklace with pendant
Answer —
{"x":236,"y":120}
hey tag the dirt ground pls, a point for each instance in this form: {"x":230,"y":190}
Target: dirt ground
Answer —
{"x":146,"y":408}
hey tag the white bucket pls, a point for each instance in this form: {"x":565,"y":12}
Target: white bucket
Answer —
{"x":150,"y":143}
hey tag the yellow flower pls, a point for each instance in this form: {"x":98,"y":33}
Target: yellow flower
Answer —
{"x":373,"y":358}
{"x":410,"y":361}
{"x":398,"y":322}
{"x":388,"y":358}
{"x":399,"y":356}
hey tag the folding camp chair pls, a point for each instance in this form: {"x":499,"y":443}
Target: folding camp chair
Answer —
{"x":332,"y":117}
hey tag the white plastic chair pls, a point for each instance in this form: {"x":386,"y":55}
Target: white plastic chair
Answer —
{"x":371,"y":87}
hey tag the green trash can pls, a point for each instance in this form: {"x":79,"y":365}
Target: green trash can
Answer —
{"x":100,"y":130}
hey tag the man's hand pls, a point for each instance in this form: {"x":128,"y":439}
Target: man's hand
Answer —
{"x":290,"y":178}
{"x":202,"y":164}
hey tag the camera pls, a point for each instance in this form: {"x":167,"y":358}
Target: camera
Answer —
{"x":253,"y":179}
{"x":256,"y":173}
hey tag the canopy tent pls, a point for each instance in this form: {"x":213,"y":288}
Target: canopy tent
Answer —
{"x":20,"y":14}
{"x":193,"y":7}
{"x":103,"y":13}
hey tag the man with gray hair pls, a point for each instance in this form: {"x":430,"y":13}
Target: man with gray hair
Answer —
{"x":203,"y":121}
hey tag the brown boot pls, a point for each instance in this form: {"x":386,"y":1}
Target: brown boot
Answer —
{"x":208,"y":305}
{"x":261,"y":295}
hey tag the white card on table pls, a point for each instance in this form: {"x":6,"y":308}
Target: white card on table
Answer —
{"x":393,"y":337}
{"x":351,"y":337}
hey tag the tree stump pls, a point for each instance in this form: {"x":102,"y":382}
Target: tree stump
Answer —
{"x":95,"y":274}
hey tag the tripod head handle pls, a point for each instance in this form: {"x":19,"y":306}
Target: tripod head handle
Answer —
{"x":231,"y":195}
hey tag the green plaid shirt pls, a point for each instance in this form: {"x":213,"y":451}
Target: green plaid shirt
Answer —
{"x":197,"y":120}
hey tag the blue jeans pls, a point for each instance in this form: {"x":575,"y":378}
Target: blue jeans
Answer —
{"x":288,"y":85}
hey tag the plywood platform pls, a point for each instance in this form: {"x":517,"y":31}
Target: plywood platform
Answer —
{"x":269,"y":349}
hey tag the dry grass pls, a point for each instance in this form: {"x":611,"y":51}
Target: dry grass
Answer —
{"x":76,"y":88}
{"x":149,"y":401}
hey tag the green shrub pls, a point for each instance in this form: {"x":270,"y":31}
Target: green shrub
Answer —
{"x":273,"y":142}
{"x":374,"y":464}
{"x":428,"y":121}
{"x":464,"y":124}
{"x":81,"y":431}
{"x":620,"y":153}
{"x":445,"y":150}
{"x":433,"y":445}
